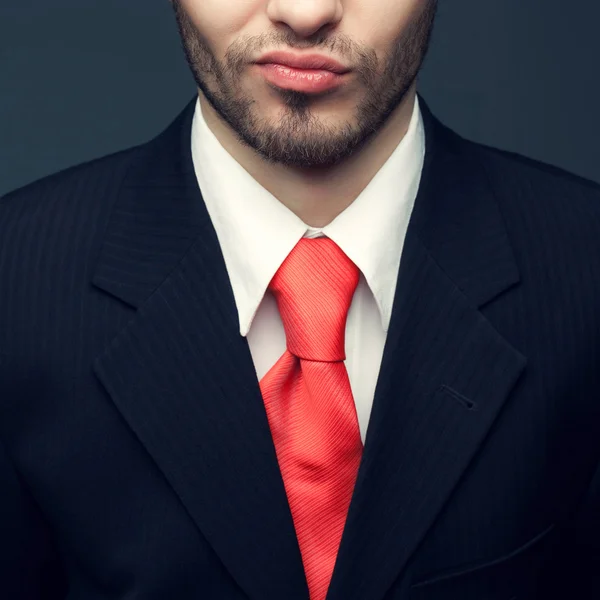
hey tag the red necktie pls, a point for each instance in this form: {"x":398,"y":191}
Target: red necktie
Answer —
{"x":309,"y":403}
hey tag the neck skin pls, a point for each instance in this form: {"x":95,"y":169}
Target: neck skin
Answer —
{"x":317,"y":196}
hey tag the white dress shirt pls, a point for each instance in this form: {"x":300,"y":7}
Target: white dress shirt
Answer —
{"x":256,"y":232}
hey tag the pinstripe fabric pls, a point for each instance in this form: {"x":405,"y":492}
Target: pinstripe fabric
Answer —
{"x":309,"y":403}
{"x":136,"y":458}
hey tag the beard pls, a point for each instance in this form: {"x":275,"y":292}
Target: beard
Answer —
{"x":299,"y":138}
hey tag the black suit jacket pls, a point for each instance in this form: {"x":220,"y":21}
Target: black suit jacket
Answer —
{"x":137,"y":461}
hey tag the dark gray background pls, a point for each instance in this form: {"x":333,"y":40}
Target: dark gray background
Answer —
{"x":84,"y":78}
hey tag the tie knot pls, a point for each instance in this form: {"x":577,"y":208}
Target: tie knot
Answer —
{"x":314,"y":288}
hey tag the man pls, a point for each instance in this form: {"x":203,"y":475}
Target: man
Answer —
{"x":307,"y":342}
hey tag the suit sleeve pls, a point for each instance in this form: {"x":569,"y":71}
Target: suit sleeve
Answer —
{"x":30,"y":568}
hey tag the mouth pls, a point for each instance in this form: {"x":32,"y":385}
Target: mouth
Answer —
{"x":310,"y":81}
{"x":309,"y":62}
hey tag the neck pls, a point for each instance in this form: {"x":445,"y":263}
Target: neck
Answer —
{"x":318,"y":196}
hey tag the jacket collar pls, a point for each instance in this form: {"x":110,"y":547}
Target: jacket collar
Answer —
{"x":161,"y":193}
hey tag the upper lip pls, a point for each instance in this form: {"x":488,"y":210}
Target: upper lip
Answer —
{"x":305,"y":61}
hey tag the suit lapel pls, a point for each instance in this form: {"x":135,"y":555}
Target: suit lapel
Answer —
{"x":446,"y":371}
{"x":183,"y":377}
{"x":184,"y":380}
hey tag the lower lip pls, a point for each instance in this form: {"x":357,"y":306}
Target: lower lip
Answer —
{"x":301,"y":80}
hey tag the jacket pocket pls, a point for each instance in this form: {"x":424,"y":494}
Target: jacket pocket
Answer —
{"x":503,"y":577}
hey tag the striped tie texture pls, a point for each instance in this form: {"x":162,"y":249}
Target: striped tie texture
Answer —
{"x":309,"y":403}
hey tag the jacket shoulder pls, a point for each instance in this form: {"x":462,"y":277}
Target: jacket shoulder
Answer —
{"x":552,"y":216}
{"x":59,"y":219}
{"x":87,"y":179}
{"x":514,"y":175}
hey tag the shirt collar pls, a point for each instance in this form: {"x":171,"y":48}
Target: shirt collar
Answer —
{"x":256,"y":232}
